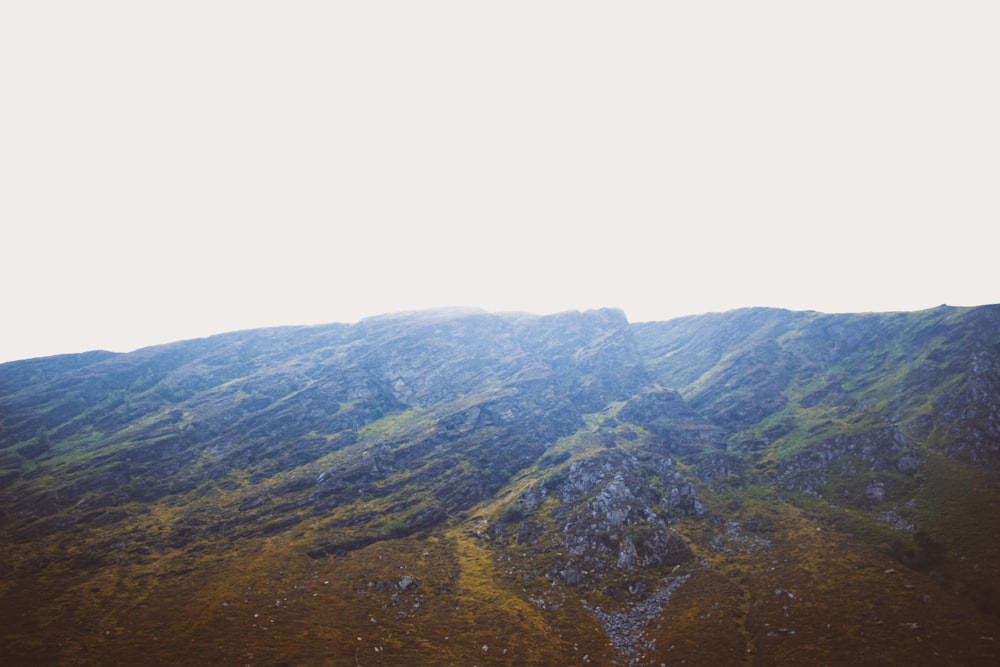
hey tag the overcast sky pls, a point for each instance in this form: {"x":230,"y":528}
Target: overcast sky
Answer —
{"x":170,"y":170}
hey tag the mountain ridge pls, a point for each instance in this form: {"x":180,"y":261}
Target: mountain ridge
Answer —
{"x":566,"y":481}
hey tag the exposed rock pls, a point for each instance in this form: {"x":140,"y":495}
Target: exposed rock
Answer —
{"x":375,"y":441}
{"x":972,"y":414}
{"x":908,"y":463}
{"x":253,"y":502}
{"x":610,"y":515}
{"x":532,"y":497}
{"x":895,"y":521}
{"x":407,"y":583}
{"x":665,"y":413}
{"x":720,"y":466}
{"x":880,"y":450}
{"x":625,"y":628}
{"x":875,"y":492}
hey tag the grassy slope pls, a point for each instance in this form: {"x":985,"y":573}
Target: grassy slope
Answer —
{"x":776,"y":578}
{"x":849,"y":375}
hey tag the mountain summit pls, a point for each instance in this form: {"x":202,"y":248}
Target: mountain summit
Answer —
{"x":755,"y":487}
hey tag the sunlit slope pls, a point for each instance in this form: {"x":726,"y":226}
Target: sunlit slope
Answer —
{"x":769,"y":375}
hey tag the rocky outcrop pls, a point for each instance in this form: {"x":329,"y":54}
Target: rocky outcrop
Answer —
{"x":972,"y":414}
{"x":625,"y":628}
{"x":681,"y":429}
{"x":550,"y":476}
{"x":847,"y":456}
{"x":613,"y":515}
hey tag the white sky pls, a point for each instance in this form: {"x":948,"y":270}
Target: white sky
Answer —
{"x":175,"y":169}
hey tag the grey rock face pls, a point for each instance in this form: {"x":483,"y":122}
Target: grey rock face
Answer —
{"x":973,"y":413}
{"x":625,"y":628}
{"x":880,"y":450}
{"x":613,"y":516}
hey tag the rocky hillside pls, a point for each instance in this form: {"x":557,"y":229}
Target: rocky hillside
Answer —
{"x":459,"y":487}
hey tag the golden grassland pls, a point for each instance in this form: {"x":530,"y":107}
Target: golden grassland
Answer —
{"x":771,"y":582}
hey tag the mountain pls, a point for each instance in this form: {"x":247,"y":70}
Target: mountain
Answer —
{"x":755,"y":487}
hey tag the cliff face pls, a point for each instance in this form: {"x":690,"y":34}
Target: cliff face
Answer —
{"x":461,"y":486}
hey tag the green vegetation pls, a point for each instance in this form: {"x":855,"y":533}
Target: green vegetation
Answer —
{"x":481,"y":489}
